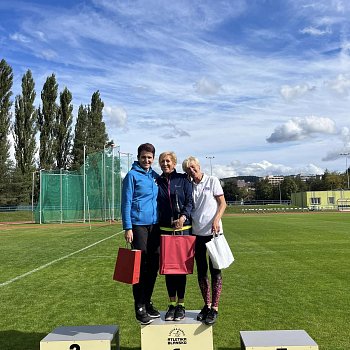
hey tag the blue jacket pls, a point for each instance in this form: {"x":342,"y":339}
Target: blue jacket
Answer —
{"x":174,"y":198}
{"x":139,"y":197}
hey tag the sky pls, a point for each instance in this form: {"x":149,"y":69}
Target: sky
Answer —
{"x":249,"y":87}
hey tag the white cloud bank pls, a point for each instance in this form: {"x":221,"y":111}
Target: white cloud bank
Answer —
{"x":116,"y":116}
{"x":261,"y":169}
{"x":299,"y":128}
{"x":207,"y":87}
{"x":291,"y":92}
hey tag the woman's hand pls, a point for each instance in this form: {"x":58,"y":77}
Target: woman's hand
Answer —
{"x":179,"y":223}
{"x":129,"y":236}
{"x":215,"y":227}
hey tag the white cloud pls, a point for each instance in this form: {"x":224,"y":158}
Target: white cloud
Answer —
{"x":337,"y":151}
{"x":116,"y":116}
{"x":315,"y":31}
{"x":261,"y":169}
{"x":299,"y":128}
{"x":340,"y":85}
{"x":20,"y":38}
{"x":207,"y":87}
{"x":291,"y":92}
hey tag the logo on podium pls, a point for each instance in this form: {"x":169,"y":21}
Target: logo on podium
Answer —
{"x":177,"y":336}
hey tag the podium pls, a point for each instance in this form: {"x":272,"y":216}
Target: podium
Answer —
{"x":277,"y":340}
{"x":82,"y":338}
{"x":187,"y":334}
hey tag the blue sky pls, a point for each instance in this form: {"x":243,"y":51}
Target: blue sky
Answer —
{"x":262,"y":86}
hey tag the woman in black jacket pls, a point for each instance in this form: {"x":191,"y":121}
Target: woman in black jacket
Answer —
{"x":174,"y":209}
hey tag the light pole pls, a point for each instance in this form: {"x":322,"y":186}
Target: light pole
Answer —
{"x":346,"y":165}
{"x":211,"y":167}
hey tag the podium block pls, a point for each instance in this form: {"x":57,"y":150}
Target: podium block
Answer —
{"x":277,"y":340}
{"x":82,"y":338}
{"x":187,"y":334}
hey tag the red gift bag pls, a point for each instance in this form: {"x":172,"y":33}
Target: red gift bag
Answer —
{"x":176,"y":254}
{"x":127,"y":266}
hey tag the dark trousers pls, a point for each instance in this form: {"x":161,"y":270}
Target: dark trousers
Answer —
{"x":146,"y":239}
{"x":201,"y":258}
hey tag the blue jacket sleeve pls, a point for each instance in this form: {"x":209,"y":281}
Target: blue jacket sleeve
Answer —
{"x":127,"y":196}
{"x":187,"y":207}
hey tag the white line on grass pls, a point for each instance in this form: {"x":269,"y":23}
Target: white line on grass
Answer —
{"x":55,"y":261}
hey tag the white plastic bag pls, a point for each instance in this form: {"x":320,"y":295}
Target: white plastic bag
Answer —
{"x":219,"y":252}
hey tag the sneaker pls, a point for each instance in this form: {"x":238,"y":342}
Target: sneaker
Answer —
{"x":152,"y":311}
{"x":142,"y":316}
{"x":211,"y":317}
{"x":203,"y":313}
{"x":179,"y":313}
{"x":170,"y":314}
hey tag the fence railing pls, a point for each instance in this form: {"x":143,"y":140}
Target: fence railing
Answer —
{"x":260,"y":202}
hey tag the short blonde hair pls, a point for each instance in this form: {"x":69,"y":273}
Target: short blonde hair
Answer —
{"x":171,"y":154}
{"x":187,"y":161}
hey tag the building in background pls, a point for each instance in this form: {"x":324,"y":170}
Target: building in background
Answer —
{"x":322,"y":200}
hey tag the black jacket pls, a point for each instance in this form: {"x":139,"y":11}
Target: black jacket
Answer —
{"x":178,"y":203}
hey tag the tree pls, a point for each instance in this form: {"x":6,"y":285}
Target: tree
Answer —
{"x":288,"y":186}
{"x":6,"y":81}
{"x":24,"y":127}
{"x":263,"y":190}
{"x":332,"y":180}
{"x":80,"y":136}
{"x":63,"y":130}
{"x":96,"y":133}
{"x":47,"y":122}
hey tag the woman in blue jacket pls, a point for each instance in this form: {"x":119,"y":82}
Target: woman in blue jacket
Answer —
{"x":140,"y":218}
{"x":174,"y":207}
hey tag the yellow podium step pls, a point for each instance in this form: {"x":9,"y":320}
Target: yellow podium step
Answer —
{"x":187,"y":334}
{"x":82,"y":338}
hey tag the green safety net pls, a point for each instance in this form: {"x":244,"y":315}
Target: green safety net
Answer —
{"x":69,"y":196}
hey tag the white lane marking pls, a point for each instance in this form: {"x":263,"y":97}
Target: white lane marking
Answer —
{"x":55,"y":261}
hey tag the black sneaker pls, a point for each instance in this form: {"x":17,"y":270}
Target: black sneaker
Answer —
{"x":203,"y":313}
{"x":211,"y":317}
{"x":152,"y":311}
{"x":179,"y":313}
{"x":142,"y":316}
{"x":170,"y":314}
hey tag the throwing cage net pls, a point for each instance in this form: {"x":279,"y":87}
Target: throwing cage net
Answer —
{"x":92,"y":193}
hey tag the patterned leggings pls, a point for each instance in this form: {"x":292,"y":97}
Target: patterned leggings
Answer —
{"x":202,"y":271}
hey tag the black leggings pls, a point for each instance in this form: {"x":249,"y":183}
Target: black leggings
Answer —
{"x":146,"y":238}
{"x":176,"y":286}
{"x":201,"y":258}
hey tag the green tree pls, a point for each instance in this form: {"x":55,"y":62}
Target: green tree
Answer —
{"x":47,"y":122}
{"x":288,"y":186}
{"x":63,"y":130}
{"x":263,"y":190}
{"x":332,"y":180}
{"x":301,"y":185}
{"x":6,"y":81}
{"x":231,"y":191}
{"x":24,"y":127}
{"x":96,"y":133}
{"x":80,"y":136}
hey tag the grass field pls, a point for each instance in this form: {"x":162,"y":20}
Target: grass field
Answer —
{"x":291,"y":272}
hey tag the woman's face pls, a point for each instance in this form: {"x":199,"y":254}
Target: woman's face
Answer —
{"x":145,"y":159}
{"x":167,"y":164}
{"x":194,"y":171}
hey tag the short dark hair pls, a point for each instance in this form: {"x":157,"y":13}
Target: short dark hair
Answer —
{"x":147,"y":147}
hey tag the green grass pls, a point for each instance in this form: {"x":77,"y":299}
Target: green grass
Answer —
{"x":291,"y":272}
{"x":14,"y":216}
